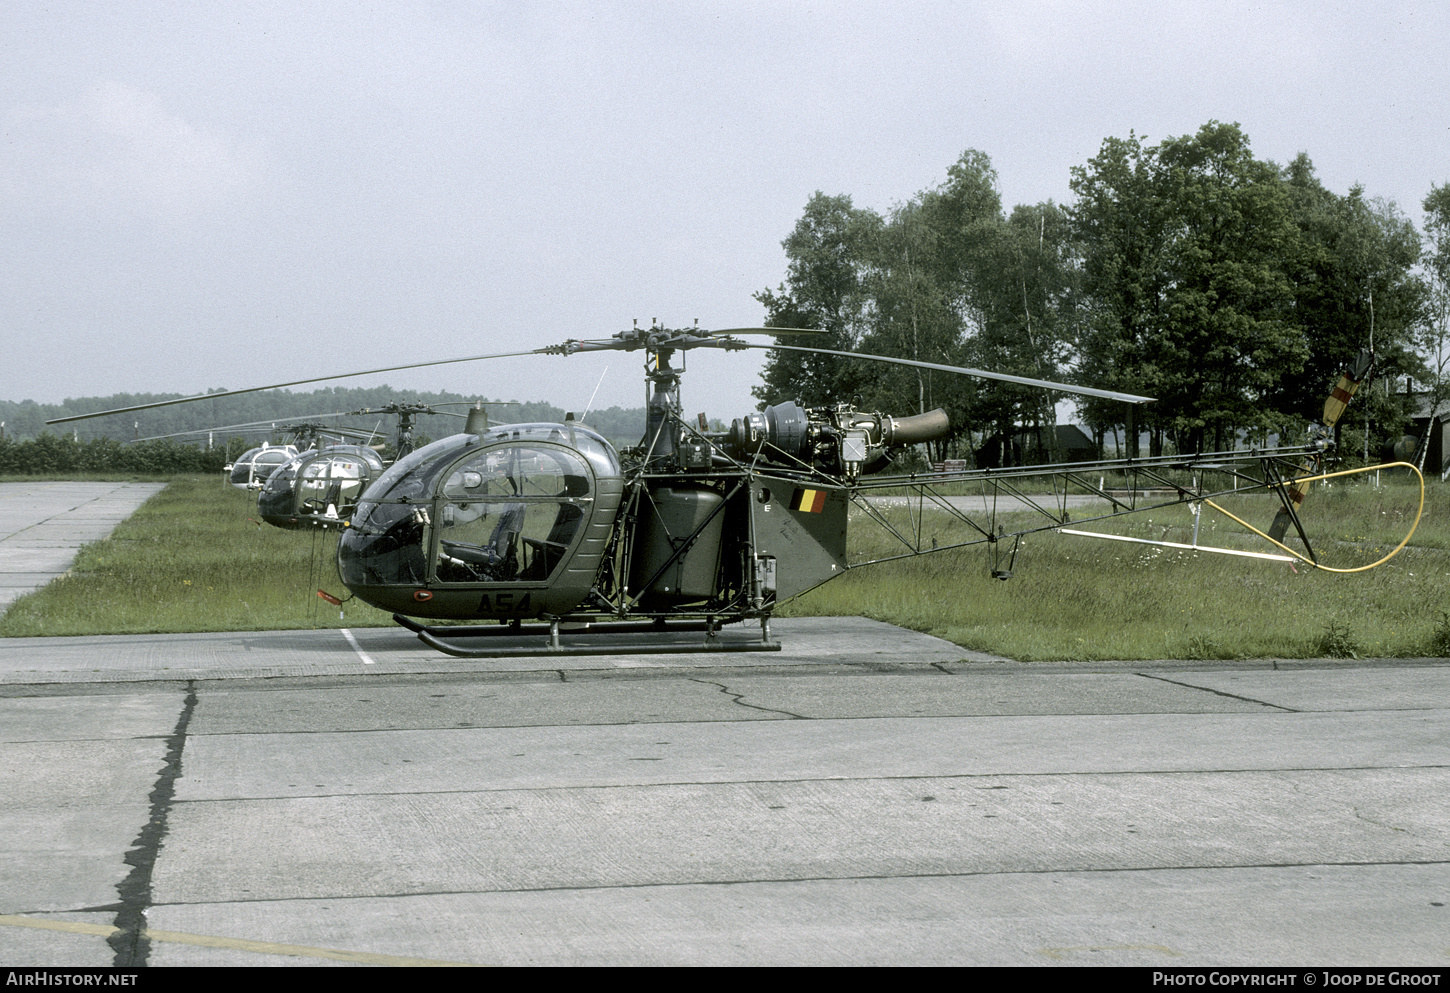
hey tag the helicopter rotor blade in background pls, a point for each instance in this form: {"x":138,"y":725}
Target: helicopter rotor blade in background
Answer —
{"x":959,"y":370}
{"x":427,"y":412}
{"x":240,"y":428}
{"x":278,"y":386}
{"x":354,"y":433}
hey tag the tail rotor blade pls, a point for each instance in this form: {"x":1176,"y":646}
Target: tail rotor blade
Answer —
{"x":1334,"y":407}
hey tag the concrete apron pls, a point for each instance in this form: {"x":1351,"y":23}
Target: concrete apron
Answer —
{"x":44,"y":524}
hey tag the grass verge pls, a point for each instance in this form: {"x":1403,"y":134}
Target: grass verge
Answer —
{"x":1077,"y":598}
{"x":194,"y":559}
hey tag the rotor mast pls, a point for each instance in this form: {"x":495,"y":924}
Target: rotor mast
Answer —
{"x":664,"y":407}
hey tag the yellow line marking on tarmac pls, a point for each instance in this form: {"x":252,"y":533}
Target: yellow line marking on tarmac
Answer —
{"x":72,"y":927}
{"x":1056,"y":953}
{"x":235,"y":944}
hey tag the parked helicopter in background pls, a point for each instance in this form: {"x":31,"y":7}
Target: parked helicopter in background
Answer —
{"x":251,"y":469}
{"x":548,"y":521}
{"x":321,"y":487}
{"x":315,"y":479}
{"x":257,"y":467}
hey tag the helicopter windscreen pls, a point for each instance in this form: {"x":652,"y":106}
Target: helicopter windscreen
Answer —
{"x":257,"y":465}
{"x":585,"y":440}
{"x":319,"y":482}
{"x":383,"y":544}
{"x":283,"y":476}
{"x":509,"y":513}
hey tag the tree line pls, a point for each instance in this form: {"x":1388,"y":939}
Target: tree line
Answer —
{"x":1232,"y":289}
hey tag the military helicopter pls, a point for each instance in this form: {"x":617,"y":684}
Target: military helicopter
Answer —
{"x":697,"y":529}
{"x":320,"y":488}
{"x":308,"y":484}
{"x":255,"y":467}
{"x":251,"y":469}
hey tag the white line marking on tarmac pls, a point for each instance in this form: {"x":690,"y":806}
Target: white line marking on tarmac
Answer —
{"x":367,"y":659}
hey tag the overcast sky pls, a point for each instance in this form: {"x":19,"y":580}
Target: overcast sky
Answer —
{"x":203,"y":195}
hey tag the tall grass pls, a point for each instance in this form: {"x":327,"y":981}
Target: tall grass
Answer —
{"x":1080,"y":598}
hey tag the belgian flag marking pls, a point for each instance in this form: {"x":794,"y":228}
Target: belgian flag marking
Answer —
{"x":810,"y":501}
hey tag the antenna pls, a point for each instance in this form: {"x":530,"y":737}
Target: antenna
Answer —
{"x":590,"y":405}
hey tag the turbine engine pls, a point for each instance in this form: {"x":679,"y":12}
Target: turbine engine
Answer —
{"x":837,"y":439}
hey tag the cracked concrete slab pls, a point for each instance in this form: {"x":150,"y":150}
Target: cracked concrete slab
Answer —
{"x":573,"y":827}
{"x":432,"y":759}
{"x":355,"y":845}
{"x":1347,"y":689}
{"x":68,"y":813}
{"x":1168,"y":918}
{"x":983,"y":694}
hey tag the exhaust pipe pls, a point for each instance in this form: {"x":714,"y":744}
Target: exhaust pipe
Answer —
{"x":915,"y":429}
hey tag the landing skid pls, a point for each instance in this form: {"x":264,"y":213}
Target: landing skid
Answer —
{"x":557,"y":638}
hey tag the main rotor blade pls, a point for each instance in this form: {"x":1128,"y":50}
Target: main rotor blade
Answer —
{"x":278,"y":386}
{"x":959,"y":370}
{"x":242,"y":428}
{"x":813,"y":331}
{"x":234,"y":430}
